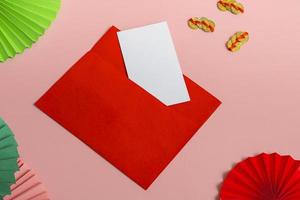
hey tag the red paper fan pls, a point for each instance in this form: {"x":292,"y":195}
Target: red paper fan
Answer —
{"x":28,"y":186}
{"x":263,"y":177}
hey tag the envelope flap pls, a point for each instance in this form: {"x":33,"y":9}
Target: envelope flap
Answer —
{"x":108,"y":48}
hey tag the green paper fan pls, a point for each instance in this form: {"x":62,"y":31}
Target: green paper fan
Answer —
{"x":8,"y":159}
{"x":22,"y":22}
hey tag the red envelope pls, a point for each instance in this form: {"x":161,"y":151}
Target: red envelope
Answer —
{"x":119,"y":120}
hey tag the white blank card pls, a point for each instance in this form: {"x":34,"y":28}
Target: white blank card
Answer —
{"x":151,"y":62}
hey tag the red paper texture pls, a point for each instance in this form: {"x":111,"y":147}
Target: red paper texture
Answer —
{"x":119,"y":120}
{"x":264,"y":177}
{"x":28,"y":186}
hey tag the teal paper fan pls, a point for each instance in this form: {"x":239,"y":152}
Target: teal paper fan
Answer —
{"x":8,"y":159}
{"x":22,"y":22}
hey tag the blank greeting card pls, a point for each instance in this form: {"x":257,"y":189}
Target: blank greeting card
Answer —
{"x":152,"y":63}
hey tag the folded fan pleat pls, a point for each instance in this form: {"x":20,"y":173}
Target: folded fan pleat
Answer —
{"x":267,"y":177}
{"x":27,"y":186}
{"x":8,"y":159}
{"x":22,"y":22}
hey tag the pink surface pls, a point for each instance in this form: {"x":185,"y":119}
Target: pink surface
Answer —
{"x":259,"y":88}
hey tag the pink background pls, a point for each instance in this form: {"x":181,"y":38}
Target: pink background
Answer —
{"x":259,"y":87}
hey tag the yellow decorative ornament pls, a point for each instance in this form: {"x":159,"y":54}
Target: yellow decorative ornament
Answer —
{"x":237,"y":40}
{"x":231,"y":5}
{"x":202,"y":23}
